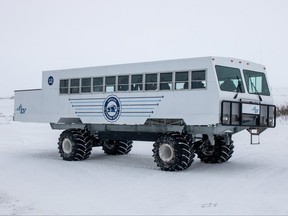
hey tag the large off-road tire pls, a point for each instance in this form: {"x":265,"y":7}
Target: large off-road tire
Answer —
{"x":172,"y":152}
{"x":75,"y":144}
{"x":117,"y":147}
{"x":219,"y":153}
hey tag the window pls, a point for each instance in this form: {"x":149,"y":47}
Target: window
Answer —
{"x":181,"y":80}
{"x":110,"y":83}
{"x":256,"y":82}
{"x":166,"y":81}
{"x":150,"y":82}
{"x":198,"y":79}
{"x":64,"y":86}
{"x":229,"y":79}
{"x":123,"y":83}
{"x":98,"y":84}
{"x":154,"y":81}
{"x":86,"y":85}
{"x":74,"y":86}
{"x":137,"y":82}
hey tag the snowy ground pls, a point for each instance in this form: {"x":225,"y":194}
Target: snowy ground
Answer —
{"x":35,"y":181}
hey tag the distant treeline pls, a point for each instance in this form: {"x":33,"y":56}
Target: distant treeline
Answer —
{"x":282,"y":110}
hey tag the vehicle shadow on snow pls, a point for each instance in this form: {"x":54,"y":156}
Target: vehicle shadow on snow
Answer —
{"x":147,"y":162}
{"x":45,"y":155}
{"x":129,"y":160}
{"x":229,"y":167}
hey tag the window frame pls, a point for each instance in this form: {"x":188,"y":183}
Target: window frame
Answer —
{"x":86,"y":86}
{"x":74,"y":87}
{"x":162,"y":86}
{"x":175,"y":81}
{"x":108,"y":85}
{"x":184,"y":82}
{"x":198,"y":81}
{"x":153,"y":84}
{"x":137,"y":84}
{"x":101,"y":86}
{"x":67,"y":88}
{"x":119,"y":86}
{"x":263,"y":82}
{"x":239,"y":79}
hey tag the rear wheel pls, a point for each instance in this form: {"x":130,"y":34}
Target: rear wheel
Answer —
{"x":75,"y":144}
{"x":117,"y":147}
{"x":219,"y":153}
{"x":172,"y":152}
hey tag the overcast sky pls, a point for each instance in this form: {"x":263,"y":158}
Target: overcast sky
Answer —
{"x":39,"y":35}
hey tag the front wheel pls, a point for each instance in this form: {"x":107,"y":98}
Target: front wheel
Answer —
{"x":219,"y":153}
{"x":172,"y":152}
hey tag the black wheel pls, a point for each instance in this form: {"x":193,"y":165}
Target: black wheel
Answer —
{"x":172,"y":152}
{"x":75,"y":144}
{"x":117,"y":147}
{"x":219,"y":153}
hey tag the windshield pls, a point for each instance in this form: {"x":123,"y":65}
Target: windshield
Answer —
{"x":229,"y":79}
{"x":256,"y":82}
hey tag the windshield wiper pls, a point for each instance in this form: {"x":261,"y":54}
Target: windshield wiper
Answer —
{"x":252,"y":84}
{"x":238,"y":88}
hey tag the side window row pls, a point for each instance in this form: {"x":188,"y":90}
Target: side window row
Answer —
{"x":138,"y":82}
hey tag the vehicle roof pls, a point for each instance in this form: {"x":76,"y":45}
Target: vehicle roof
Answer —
{"x":159,"y":66}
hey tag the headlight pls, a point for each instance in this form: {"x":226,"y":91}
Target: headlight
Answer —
{"x":225,"y":119}
{"x":271,"y":121}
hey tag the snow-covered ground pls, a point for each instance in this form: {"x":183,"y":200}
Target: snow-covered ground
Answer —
{"x":35,"y":181}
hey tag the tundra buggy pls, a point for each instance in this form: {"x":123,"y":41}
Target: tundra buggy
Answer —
{"x":186,"y":106}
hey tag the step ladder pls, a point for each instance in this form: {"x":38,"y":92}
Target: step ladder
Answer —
{"x":255,"y":135}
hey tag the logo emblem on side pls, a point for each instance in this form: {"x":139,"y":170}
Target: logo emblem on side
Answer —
{"x":112,"y":108}
{"x":21,"y":109}
{"x":50,"y":81}
{"x":255,"y":110}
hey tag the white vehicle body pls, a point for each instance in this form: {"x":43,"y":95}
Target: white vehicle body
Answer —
{"x":139,"y":101}
{"x":195,"y":106}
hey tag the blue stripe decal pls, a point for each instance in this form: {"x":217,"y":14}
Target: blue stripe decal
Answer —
{"x":80,"y":99}
{"x":137,"y":108}
{"x":140,"y":104}
{"x":87,"y":102}
{"x":137,"y":116}
{"x":137,"y":112}
{"x":132,"y":107}
{"x":139,"y":101}
{"x":88,"y":105}
{"x":88,"y":112}
{"x":88,"y":108}
{"x":152,"y":97}
{"x":90,"y":115}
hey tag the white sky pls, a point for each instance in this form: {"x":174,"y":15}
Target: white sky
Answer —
{"x":39,"y":35}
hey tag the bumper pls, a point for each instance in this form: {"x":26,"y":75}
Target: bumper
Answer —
{"x":248,"y":114}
